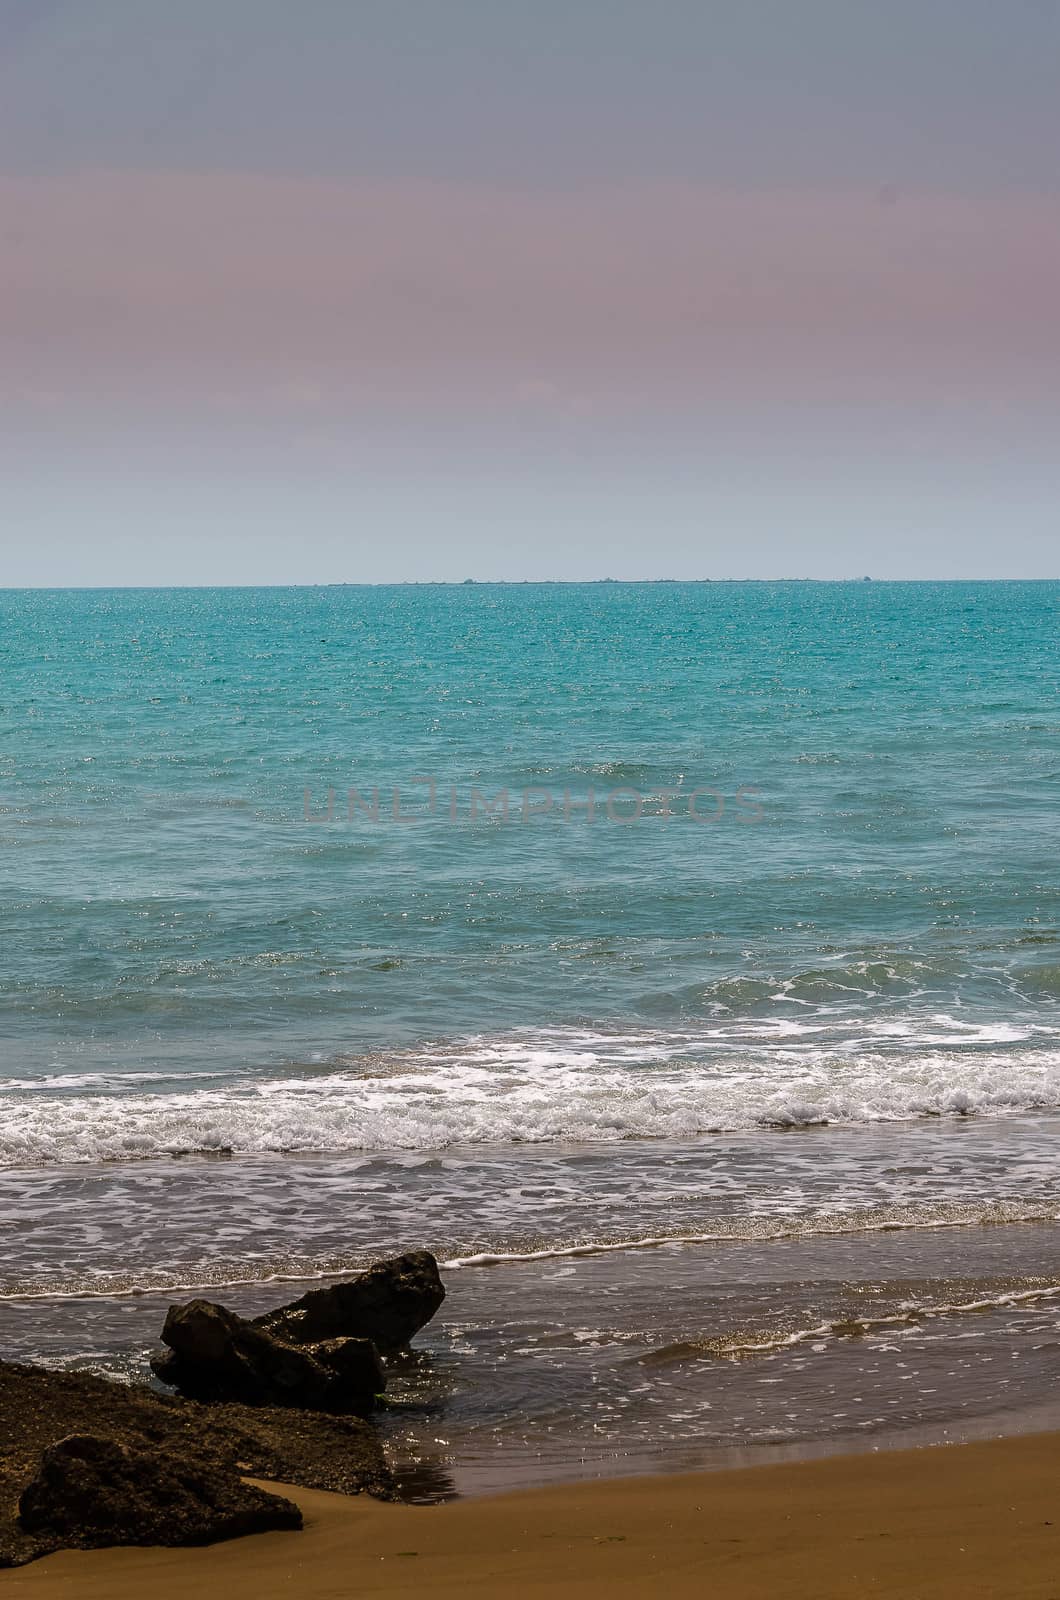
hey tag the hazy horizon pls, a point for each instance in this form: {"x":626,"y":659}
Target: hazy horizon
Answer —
{"x":488,"y":583}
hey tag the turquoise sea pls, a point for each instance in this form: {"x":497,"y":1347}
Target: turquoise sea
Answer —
{"x":762,"y":949}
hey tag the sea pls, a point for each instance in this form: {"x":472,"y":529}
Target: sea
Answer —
{"x":679,"y":961}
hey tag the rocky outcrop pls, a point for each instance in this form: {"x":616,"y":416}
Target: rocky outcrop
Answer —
{"x":216,"y":1355}
{"x":388,"y":1304}
{"x":315,"y":1449}
{"x":97,"y":1462}
{"x":91,"y":1491}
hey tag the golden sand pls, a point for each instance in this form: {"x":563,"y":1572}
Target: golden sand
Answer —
{"x":955,"y":1521}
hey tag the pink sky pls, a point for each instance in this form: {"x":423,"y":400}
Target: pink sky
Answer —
{"x":266,"y":296}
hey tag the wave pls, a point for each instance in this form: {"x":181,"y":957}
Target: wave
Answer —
{"x":205,"y":989}
{"x":300,"y":1267}
{"x":770,"y":1230}
{"x":910,"y":1314}
{"x":550,"y":1086}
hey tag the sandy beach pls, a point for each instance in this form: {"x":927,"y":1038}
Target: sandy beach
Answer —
{"x":954,"y":1521}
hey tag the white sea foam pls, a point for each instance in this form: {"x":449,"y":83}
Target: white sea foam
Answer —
{"x":772,"y":1230}
{"x":91,"y":1280}
{"x":538,"y":1086}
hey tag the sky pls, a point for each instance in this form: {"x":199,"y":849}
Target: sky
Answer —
{"x":430,"y":289}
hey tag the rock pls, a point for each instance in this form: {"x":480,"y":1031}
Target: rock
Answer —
{"x":92,"y":1491}
{"x":316,"y":1449}
{"x":388,"y":1304}
{"x":354,"y":1361}
{"x":216,"y":1355}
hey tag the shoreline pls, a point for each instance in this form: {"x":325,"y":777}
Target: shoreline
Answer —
{"x":947,"y":1522}
{"x":675,"y":1360}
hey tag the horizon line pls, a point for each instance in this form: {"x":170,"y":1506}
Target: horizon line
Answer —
{"x":494,"y":583}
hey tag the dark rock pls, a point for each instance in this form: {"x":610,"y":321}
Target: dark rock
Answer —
{"x":353,"y":1361}
{"x":315,"y":1449}
{"x":91,"y":1491}
{"x":216,"y":1355}
{"x":387,"y":1304}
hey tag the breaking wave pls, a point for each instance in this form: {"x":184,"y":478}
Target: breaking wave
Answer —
{"x":547,"y":1086}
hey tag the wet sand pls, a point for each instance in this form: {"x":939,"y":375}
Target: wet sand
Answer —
{"x":953,"y":1522}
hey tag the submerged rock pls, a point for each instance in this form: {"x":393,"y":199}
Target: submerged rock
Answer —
{"x":388,"y":1304}
{"x":92,"y":1491}
{"x":217,"y":1355}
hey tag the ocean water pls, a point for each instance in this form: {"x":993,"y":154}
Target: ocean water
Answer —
{"x":603,"y":937}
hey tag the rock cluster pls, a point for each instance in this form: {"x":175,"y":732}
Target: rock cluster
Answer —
{"x":321,"y":1353}
{"x":86,"y":1462}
